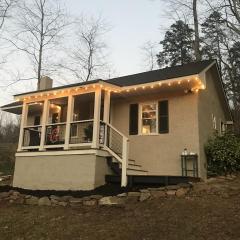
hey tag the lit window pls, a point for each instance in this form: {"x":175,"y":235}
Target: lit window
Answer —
{"x":149,"y":118}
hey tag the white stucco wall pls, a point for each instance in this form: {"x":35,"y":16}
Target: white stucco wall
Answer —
{"x":63,"y":172}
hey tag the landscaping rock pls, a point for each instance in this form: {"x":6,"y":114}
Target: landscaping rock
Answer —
{"x":90,"y":202}
{"x":158,"y":194}
{"x":4,"y":195}
{"x":65,"y":198}
{"x":19,"y":200}
{"x":32,"y":200}
{"x":27,"y":196}
{"x":134,"y":194}
{"x":54,"y":197}
{"x":54,"y":202}
{"x":44,"y":201}
{"x":185,"y":185}
{"x":181,"y":192}
{"x":75,"y":202}
{"x":63,"y":204}
{"x":173,"y":187}
{"x":97,"y":197}
{"x":111,"y":200}
{"x":122,"y":195}
{"x":171,"y":192}
{"x":144,"y":196}
{"x":144,"y":190}
{"x":156,"y":189}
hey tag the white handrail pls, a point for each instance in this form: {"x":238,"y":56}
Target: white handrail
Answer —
{"x":82,"y":121}
{"x":125,"y":152}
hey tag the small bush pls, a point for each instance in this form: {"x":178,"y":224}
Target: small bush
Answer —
{"x":223,"y":154}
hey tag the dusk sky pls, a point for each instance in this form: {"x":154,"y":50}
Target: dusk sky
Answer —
{"x":133,"y":22}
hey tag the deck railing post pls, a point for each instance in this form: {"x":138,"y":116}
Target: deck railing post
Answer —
{"x":124,"y":161}
{"x":23,"y":121}
{"x":44,"y":123}
{"x":106,"y":113}
{"x":96,"y":121}
{"x":68,"y":122}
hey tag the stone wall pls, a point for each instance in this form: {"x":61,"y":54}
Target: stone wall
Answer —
{"x":179,"y":190}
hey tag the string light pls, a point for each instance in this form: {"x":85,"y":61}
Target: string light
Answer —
{"x":179,"y":82}
{"x":188,"y":80}
{"x":160,"y":84}
{"x":169,"y":84}
{"x":152,"y":86}
{"x":143,"y":87}
{"x":127,"y":90}
{"x":135,"y":88}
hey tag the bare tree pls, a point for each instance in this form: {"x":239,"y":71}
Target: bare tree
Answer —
{"x":87,"y":56}
{"x":39,"y":28}
{"x":149,"y":53}
{"x":232,"y":12}
{"x":5,"y":6}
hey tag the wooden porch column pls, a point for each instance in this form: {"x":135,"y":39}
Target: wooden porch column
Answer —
{"x":106,"y":110}
{"x":23,"y":121}
{"x":96,"y":121}
{"x":68,"y":122}
{"x":44,"y":123}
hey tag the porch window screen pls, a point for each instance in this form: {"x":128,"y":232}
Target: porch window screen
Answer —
{"x":163,"y":118}
{"x":133,"y":119}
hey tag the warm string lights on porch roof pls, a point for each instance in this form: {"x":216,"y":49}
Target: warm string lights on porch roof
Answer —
{"x":64,"y":93}
{"x":196,"y":88}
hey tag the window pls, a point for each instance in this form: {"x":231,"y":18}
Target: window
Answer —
{"x":148,"y":117}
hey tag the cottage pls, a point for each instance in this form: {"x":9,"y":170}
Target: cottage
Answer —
{"x":73,"y":136}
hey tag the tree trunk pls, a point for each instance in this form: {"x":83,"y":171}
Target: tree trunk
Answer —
{"x":196,"y":32}
{"x":39,"y":67}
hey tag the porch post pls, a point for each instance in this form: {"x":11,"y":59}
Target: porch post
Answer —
{"x":68,"y":122}
{"x":23,"y":121}
{"x":106,"y":111}
{"x":96,"y":121}
{"x":44,"y":123}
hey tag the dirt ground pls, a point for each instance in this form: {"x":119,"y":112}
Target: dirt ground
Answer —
{"x":211,"y":212}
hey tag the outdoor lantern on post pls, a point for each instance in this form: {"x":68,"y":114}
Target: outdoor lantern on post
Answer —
{"x":189,"y":163}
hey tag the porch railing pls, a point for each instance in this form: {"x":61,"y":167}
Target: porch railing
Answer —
{"x":81,"y":132}
{"x":55,"y":134}
{"x":117,"y":144}
{"x":32,"y":136}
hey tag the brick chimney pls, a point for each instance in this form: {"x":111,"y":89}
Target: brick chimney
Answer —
{"x":45,"y":83}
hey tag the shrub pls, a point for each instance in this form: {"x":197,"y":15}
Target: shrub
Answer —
{"x":223,"y":154}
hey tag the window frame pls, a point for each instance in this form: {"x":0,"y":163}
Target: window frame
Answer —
{"x":140,"y":118}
